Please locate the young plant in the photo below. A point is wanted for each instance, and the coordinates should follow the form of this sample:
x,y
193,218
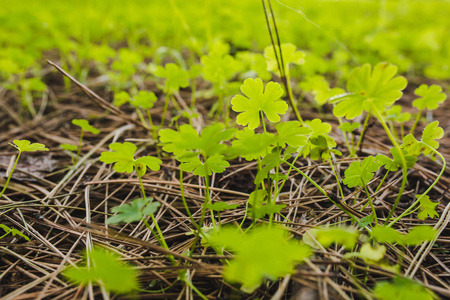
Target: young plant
x,y
176,78
105,269
85,126
257,255
430,98
22,146
13,232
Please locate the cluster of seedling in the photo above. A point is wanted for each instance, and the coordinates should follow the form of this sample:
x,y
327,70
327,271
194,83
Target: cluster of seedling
x,y
370,93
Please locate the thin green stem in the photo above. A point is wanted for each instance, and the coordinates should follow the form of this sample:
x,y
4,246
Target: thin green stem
x,y
10,174
337,179
350,150
209,201
183,198
262,121
371,204
382,181
79,145
192,286
416,121
402,157
361,137
291,95
323,192
166,105
141,117
444,163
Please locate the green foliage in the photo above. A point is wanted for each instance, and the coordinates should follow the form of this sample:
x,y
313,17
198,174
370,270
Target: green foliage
x,y
416,236
13,232
121,98
27,146
431,97
69,147
427,207
378,87
292,134
345,236
349,127
124,162
359,174
221,206
270,161
319,88
84,125
290,56
258,99
258,255
216,163
253,146
143,99
320,143
402,289
395,114
260,206
134,211
176,77
396,162
106,269
431,133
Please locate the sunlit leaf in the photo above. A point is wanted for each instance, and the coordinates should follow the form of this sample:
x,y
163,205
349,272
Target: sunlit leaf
x,y
84,124
27,146
359,174
134,211
402,289
427,208
431,97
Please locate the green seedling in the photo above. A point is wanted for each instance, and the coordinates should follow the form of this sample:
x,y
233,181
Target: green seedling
x,y
286,56
85,126
395,114
320,89
22,146
430,98
105,269
176,78
262,205
260,101
257,255
360,174
251,145
13,232
133,212
427,207
219,207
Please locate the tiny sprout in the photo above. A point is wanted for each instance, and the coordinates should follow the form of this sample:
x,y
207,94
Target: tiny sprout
x,y
85,126
22,146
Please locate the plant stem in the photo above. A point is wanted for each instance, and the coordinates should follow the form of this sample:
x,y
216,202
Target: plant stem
x,y
337,179
382,181
79,145
183,198
402,157
416,121
371,204
323,192
262,120
361,137
291,96
10,174
350,150
166,105
444,163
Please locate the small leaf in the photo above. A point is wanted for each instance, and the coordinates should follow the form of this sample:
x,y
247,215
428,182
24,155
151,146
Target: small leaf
x,y
395,163
258,99
257,255
292,133
349,127
366,221
289,53
359,174
15,232
84,124
366,86
123,157
386,235
69,147
395,114
431,133
221,206
431,97
176,77
150,162
214,164
133,212
319,88
144,100
419,234
402,289
27,146
344,236
105,269
427,208
369,253
121,98
253,146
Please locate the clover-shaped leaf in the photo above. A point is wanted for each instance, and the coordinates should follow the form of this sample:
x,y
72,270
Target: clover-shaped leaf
x,y
258,99
385,234
395,114
123,159
214,164
292,133
106,269
431,97
121,98
427,208
349,127
219,67
290,56
144,100
431,133
320,144
345,236
176,77
379,87
257,255
134,211
27,146
84,125
359,174
396,162
252,146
